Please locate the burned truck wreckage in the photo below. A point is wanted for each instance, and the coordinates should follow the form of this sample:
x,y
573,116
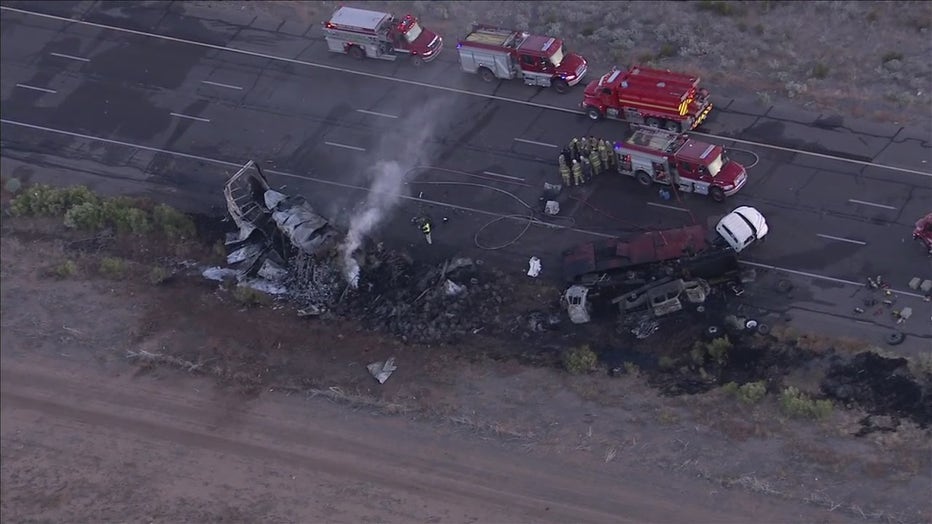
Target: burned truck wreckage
x,y
650,275
282,247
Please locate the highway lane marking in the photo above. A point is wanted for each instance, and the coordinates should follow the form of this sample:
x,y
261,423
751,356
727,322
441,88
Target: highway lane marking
x,y
863,203
536,143
668,207
344,146
71,57
374,113
430,86
842,239
218,84
492,173
199,119
34,88
404,197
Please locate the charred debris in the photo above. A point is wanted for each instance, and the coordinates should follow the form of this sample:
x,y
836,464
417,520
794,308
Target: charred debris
x,y
284,248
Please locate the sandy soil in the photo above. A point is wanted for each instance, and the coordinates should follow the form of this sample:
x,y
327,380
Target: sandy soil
x,y
859,59
235,432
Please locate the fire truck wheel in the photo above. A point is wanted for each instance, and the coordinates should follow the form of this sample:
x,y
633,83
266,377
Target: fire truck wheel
x,y
560,86
671,125
652,122
417,61
486,74
643,178
356,52
593,113
717,194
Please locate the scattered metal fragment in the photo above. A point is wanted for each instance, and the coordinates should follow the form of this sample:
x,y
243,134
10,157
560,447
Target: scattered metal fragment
x,y
382,370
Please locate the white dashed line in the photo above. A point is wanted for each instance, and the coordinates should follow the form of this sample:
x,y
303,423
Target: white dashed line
x,y
543,144
404,197
218,84
34,88
842,239
668,207
71,57
863,203
199,119
344,146
374,113
491,173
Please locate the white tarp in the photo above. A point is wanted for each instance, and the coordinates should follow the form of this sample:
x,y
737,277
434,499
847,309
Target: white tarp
x,y
534,267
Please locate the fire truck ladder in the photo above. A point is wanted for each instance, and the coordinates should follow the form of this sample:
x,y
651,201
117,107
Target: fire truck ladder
x,y
654,138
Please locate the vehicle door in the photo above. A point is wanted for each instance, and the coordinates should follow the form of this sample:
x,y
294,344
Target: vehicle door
x,y
529,64
687,177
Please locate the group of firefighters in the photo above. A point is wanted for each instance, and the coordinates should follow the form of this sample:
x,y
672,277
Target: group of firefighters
x,y
584,158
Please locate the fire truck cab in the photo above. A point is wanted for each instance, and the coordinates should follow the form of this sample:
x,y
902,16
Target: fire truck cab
x,y
652,97
360,34
655,155
493,53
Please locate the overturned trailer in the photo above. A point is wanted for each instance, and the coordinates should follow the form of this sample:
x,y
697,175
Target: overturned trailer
x,y
660,272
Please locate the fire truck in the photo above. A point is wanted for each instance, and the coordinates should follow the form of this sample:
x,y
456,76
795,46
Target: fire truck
x,y
360,34
493,52
653,97
658,156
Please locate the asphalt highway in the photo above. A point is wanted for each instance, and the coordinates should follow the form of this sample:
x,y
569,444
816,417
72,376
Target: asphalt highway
x,y
180,115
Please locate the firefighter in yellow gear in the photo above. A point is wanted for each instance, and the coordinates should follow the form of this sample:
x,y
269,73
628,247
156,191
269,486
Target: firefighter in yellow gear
x,y
424,223
577,173
595,161
564,171
593,143
604,156
574,148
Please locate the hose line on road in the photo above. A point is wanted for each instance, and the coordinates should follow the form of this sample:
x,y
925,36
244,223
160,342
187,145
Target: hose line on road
x,y
531,217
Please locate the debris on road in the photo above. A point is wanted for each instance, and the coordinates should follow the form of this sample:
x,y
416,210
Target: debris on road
x,y
534,267
382,370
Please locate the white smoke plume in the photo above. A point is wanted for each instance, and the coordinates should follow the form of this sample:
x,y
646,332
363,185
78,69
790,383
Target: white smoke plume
x,y
383,196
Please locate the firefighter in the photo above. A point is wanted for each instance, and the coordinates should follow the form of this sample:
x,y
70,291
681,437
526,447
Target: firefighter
x,y
595,161
425,226
577,173
586,169
593,143
574,148
564,171
604,156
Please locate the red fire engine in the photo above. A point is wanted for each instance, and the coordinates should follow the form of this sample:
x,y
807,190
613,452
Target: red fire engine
x,y
373,34
653,97
655,155
503,53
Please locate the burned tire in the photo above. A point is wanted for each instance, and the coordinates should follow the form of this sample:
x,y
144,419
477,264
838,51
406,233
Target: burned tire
x,y
763,329
643,178
895,338
713,332
593,113
560,86
486,74
356,52
671,125
717,194
652,122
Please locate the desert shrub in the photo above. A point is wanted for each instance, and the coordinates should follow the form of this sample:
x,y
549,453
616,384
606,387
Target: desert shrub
x,y
580,359
797,404
43,200
64,269
87,216
125,216
718,349
249,297
892,55
718,7
666,363
921,364
13,185
667,50
697,353
112,267
820,71
158,275
632,369
172,223
752,392
730,388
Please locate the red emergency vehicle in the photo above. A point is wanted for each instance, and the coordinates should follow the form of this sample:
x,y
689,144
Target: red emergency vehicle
x,y
923,231
655,155
493,52
653,97
361,33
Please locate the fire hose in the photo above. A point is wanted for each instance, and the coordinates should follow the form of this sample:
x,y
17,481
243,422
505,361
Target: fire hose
x,y
532,217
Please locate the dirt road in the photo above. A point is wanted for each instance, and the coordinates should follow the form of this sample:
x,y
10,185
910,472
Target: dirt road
x,y
83,444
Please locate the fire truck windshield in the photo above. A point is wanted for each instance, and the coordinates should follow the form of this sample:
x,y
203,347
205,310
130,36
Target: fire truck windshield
x,y
413,32
557,58
716,165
